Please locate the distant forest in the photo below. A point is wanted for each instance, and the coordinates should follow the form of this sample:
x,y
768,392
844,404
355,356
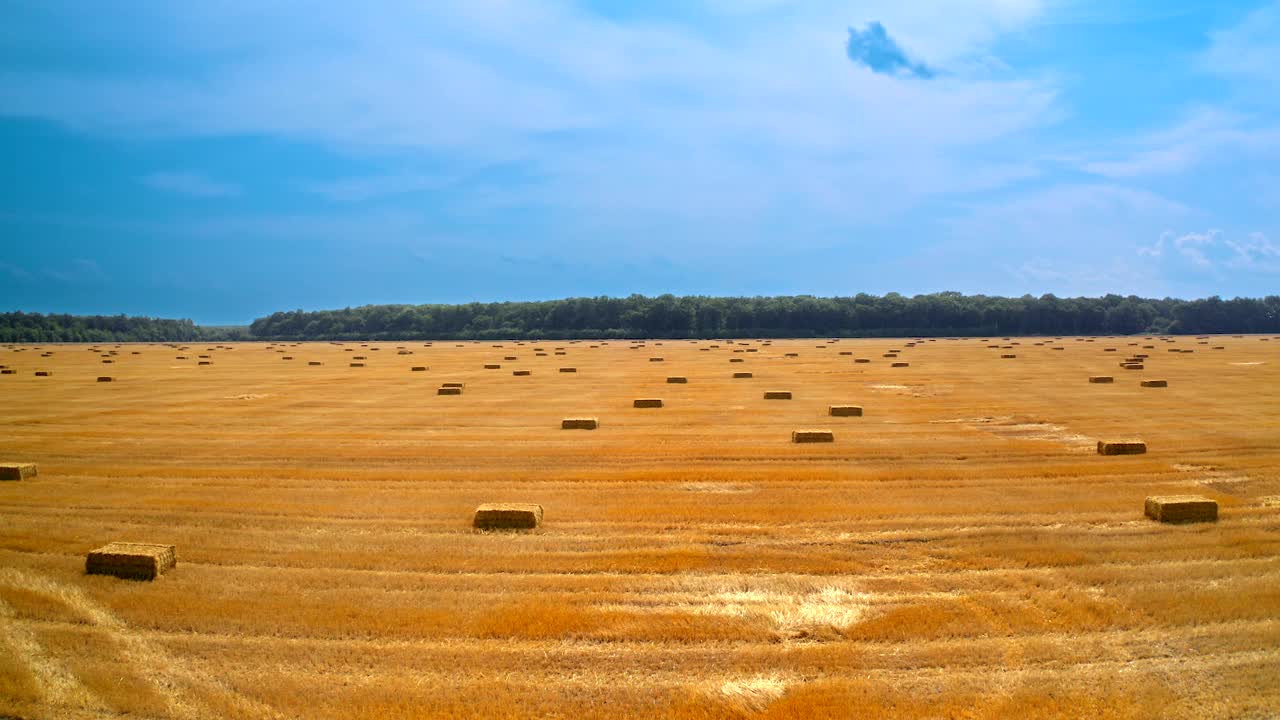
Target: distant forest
x,y
669,316
34,327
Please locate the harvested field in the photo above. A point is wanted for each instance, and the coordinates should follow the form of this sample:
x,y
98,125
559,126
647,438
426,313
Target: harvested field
x,y
959,551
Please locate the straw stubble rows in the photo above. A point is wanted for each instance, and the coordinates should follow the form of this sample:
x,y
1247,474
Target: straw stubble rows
x,y
959,547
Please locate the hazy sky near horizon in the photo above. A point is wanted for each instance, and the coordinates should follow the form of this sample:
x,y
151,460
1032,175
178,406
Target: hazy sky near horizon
x,y
221,161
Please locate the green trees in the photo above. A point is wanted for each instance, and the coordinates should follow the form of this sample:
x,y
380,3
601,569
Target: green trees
x,y
945,313
34,327
692,316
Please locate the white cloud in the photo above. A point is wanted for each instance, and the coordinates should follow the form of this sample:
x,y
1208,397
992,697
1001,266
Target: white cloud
x,y
1249,53
1212,250
649,116
190,183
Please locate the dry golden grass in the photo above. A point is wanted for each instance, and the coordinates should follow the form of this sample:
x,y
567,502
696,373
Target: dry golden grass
x,y
960,551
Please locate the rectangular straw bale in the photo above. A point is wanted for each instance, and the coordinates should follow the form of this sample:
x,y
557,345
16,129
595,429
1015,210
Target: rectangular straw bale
x,y
844,410
449,391
1132,366
581,423
44,373
315,362
647,403
861,361
568,369
812,436
357,365
677,380
777,394
1154,383
741,375
1099,379
521,373
1181,508
492,366
508,516
105,378
17,471
899,364
1121,447
418,368
655,359
134,561
453,384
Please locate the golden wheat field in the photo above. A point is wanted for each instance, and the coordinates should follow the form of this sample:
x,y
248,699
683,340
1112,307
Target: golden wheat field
x,y
960,549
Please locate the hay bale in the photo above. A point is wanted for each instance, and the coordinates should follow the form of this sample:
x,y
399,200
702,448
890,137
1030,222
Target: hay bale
x,y
1154,383
507,516
1101,379
1008,357
741,375
418,368
1132,366
899,364
521,373
315,362
492,366
44,373
812,436
17,471
453,384
846,352
844,410
510,357
1122,447
449,391
568,369
1181,508
777,394
287,357
104,362
105,378
357,365
677,380
582,423
133,561
647,403
8,371
655,359
861,361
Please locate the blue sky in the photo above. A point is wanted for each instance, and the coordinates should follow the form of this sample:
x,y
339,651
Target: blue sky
x,y
221,161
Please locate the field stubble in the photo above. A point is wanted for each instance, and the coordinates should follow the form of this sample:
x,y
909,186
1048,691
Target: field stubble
x,y
958,551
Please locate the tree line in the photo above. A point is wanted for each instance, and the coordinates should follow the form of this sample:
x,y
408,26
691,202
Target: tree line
x,y
36,328
862,315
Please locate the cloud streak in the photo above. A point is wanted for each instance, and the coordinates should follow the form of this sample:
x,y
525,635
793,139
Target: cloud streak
x,y
191,184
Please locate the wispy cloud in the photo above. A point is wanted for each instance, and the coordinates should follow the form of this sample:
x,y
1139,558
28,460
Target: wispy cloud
x,y
1212,250
873,48
357,189
190,183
